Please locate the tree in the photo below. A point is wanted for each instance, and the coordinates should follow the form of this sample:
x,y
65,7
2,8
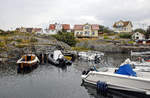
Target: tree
x,y
104,29
68,38
2,31
147,32
140,30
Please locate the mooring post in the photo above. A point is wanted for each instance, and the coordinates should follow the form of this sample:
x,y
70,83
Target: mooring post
x,y
42,58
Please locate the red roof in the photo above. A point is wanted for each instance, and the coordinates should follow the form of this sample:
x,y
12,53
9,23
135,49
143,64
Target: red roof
x,y
52,27
125,23
95,27
66,26
37,29
78,27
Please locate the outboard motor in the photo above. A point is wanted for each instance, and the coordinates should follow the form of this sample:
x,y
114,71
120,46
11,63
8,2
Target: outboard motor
x,y
97,59
86,72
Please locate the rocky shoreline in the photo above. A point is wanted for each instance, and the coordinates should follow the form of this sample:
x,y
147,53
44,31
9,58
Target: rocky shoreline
x,y
43,45
112,47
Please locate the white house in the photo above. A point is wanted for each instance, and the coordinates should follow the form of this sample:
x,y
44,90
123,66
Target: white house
x,y
138,36
54,28
122,27
86,30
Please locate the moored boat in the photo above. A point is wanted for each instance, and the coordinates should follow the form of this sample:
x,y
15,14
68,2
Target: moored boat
x,y
142,58
91,56
58,59
27,62
140,62
123,78
140,53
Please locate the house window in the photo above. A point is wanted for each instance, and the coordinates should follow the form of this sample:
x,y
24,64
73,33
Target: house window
x,y
77,33
93,33
120,29
86,27
86,33
81,33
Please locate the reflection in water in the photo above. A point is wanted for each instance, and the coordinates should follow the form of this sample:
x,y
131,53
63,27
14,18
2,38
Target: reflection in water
x,y
111,93
8,69
49,81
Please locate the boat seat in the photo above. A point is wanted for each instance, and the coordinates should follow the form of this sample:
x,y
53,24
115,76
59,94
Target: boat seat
x,y
103,69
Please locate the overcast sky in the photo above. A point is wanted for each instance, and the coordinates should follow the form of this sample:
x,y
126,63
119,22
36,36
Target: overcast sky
x,y
39,13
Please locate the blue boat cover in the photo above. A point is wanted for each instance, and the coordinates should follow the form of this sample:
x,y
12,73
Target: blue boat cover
x,y
126,70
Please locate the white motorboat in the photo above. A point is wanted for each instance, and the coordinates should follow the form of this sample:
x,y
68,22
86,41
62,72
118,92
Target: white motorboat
x,y
143,58
140,53
139,62
130,82
90,56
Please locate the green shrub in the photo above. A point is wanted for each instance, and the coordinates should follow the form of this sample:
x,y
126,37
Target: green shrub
x,y
68,38
125,35
33,40
106,37
19,40
2,44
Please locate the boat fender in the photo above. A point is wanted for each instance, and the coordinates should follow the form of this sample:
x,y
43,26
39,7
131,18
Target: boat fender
x,y
101,86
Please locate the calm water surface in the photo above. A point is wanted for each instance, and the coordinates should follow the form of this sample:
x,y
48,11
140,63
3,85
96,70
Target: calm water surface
x,y
48,81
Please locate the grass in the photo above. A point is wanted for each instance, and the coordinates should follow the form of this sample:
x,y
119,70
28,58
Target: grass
x,y
21,45
106,37
33,40
109,34
130,42
6,38
80,49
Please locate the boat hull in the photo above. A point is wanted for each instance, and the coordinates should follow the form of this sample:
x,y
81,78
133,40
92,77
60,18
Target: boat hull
x,y
26,68
117,81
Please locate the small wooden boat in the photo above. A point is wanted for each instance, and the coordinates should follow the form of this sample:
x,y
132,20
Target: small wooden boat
x,y
27,62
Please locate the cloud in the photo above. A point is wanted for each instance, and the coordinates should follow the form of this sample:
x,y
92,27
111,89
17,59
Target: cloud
x,y
30,13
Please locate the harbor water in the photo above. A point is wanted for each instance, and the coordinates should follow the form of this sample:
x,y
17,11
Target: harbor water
x,y
48,81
